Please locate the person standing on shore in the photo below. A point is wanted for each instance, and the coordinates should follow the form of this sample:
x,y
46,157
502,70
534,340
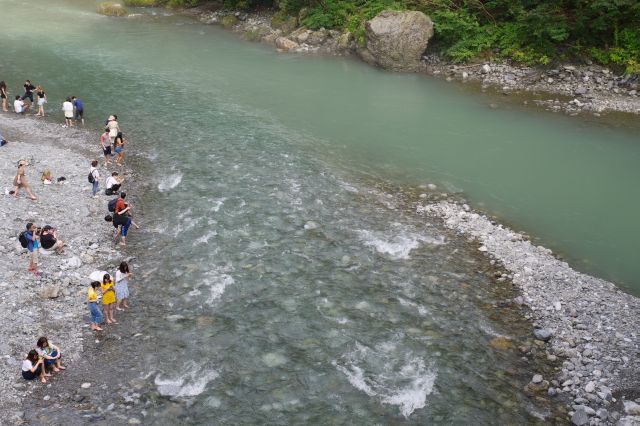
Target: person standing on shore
x,y
79,108
92,304
122,286
105,144
94,177
114,128
4,95
122,218
20,182
42,99
118,145
28,90
108,298
32,246
67,107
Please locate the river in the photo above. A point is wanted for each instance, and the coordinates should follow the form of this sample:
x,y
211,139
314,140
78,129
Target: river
x,y
286,280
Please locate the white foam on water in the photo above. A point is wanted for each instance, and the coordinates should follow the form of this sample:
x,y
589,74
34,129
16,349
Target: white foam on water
x,y
216,204
204,239
390,375
169,182
189,381
217,283
398,241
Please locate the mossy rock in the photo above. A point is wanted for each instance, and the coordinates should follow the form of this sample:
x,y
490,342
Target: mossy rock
x,y
228,21
284,22
501,343
255,35
110,8
141,3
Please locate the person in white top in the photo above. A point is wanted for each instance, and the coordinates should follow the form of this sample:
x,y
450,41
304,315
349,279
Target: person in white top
x,y
20,106
67,107
113,184
33,366
94,177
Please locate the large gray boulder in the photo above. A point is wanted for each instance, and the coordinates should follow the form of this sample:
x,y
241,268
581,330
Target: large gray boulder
x,y
397,40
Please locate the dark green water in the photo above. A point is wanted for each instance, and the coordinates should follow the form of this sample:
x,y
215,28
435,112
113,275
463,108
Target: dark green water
x,y
285,288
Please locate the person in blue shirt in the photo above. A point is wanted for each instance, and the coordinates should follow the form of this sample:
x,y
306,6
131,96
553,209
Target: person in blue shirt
x,y
79,107
32,236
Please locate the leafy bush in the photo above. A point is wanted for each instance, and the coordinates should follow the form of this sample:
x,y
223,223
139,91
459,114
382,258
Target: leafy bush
x,y
141,3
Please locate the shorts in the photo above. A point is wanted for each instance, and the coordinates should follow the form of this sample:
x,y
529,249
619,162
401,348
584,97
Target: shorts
x,y
3,97
106,150
96,313
79,114
67,116
41,101
33,256
30,375
119,149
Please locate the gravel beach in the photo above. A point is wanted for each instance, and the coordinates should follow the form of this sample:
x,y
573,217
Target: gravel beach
x,y
52,305
589,324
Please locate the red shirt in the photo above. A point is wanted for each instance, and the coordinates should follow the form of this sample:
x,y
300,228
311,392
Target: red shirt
x,y
119,206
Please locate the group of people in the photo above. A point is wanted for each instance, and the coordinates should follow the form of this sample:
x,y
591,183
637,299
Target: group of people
x,y
41,361
72,107
114,296
112,291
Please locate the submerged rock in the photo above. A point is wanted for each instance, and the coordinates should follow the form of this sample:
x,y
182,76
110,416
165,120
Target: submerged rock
x,y
397,40
286,44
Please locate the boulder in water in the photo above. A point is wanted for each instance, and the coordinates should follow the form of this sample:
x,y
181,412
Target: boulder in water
x,y
110,8
286,44
397,40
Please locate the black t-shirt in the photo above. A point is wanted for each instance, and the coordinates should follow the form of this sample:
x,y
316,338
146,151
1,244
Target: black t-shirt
x,y
28,88
41,94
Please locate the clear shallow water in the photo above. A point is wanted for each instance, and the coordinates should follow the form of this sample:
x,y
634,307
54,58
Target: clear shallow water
x,y
281,286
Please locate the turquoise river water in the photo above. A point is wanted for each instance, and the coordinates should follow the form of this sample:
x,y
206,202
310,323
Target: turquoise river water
x,y
287,285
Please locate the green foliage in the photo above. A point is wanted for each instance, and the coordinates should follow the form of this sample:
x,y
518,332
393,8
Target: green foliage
x,y
110,8
528,31
141,3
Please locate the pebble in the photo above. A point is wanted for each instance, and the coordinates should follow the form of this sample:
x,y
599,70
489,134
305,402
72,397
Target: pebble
x,y
590,387
85,385
537,379
542,334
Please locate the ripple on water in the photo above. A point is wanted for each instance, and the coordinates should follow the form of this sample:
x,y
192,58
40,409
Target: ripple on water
x,y
388,375
398,242
189,381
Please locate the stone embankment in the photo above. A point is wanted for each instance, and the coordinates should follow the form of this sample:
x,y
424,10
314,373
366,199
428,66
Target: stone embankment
x,y
53,304
390,42
588,324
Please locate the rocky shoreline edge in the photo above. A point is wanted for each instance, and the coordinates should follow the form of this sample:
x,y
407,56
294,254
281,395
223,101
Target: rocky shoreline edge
x,y
589,324
570,88
52,305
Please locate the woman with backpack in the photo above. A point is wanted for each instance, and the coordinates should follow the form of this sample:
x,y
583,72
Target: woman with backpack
x,y
94,176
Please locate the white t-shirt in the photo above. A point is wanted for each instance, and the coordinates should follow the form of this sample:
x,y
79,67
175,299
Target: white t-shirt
x,y
95,173
17,105
67,107
26,365
120,276
111,180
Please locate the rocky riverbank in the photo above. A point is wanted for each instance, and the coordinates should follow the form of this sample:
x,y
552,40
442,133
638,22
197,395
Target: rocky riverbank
x,y
52,305
569,88
587,323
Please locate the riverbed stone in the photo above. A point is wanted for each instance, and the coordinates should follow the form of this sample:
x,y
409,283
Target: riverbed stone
x,y
111,8
283,43
542,334
631,408
397,40
580,417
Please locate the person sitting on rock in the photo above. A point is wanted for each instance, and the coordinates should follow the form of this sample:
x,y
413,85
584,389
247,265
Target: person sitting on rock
x,y
46,177
49,240
33,366
51,354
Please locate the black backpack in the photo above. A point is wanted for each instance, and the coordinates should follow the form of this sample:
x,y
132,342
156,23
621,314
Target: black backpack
x,y
91,178
23,239
112,205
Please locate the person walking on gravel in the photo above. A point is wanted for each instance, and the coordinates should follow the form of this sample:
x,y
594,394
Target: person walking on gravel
x,y
20,181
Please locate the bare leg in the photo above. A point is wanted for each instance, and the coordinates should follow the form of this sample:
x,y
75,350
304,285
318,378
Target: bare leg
x,y
29,193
